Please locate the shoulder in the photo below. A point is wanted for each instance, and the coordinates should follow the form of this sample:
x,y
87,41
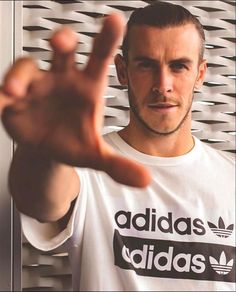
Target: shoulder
x,y
230,157
114,140
110,136
219,156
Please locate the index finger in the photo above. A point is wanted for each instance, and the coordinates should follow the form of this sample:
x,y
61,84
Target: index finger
x,y
104,45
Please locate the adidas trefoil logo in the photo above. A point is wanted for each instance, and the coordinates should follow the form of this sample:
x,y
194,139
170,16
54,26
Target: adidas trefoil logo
x,y
221,230
221,267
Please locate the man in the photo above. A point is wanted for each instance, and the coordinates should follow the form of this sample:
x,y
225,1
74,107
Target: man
x,y
145,210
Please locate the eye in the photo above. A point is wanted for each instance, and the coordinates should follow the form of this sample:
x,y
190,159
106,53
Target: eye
x,y
178,66
145,64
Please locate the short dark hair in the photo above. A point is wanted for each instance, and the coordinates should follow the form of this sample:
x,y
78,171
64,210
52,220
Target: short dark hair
x,y
162,15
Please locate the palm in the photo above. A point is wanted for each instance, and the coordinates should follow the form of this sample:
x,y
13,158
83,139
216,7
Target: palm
x,y
63,118
62,112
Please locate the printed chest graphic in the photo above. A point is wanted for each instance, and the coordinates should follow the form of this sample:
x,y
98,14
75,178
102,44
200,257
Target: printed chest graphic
x,y
174,259
149,221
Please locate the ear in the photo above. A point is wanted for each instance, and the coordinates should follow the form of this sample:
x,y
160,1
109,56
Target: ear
x,y
201,74
121,70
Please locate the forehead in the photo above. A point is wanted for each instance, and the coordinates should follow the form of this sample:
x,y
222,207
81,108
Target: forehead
x,y
172,41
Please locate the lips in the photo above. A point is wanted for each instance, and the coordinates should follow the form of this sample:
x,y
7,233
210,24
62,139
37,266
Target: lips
x,y
162,106
164,103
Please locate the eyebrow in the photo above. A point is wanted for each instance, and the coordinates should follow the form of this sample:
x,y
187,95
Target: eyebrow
x,y
183,60
143,58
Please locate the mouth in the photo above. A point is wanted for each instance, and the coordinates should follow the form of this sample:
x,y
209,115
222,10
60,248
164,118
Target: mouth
x,y
163,106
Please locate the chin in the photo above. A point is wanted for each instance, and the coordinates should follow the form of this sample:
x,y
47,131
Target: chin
x,y
162,131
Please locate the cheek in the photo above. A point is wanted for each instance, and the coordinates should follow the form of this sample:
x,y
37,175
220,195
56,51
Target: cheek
x,y
184,86
140,83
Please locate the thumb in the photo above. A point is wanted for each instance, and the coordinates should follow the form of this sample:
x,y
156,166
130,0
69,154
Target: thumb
x,y
127,172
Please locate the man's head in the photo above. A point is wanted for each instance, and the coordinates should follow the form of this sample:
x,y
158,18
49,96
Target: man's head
x,y
161,67
163,15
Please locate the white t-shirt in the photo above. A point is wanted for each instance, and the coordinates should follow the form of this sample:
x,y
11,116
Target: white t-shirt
x,y
178,234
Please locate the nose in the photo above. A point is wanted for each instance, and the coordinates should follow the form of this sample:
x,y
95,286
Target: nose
x,y
163,82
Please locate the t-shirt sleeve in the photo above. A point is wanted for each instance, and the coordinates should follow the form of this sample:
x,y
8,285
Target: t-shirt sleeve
x,y
48,236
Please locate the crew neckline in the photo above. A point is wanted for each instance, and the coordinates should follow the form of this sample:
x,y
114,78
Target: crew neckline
x,y
131,152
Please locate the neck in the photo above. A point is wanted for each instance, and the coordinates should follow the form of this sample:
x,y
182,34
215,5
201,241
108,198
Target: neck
x,y
175,144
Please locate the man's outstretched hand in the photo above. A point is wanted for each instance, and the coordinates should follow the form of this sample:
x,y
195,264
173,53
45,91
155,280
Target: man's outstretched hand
x,y
60,112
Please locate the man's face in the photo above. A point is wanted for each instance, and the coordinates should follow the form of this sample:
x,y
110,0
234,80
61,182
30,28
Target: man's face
x,y
162,71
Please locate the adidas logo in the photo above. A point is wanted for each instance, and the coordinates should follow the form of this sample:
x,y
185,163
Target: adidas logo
x,y
221,230
221,267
